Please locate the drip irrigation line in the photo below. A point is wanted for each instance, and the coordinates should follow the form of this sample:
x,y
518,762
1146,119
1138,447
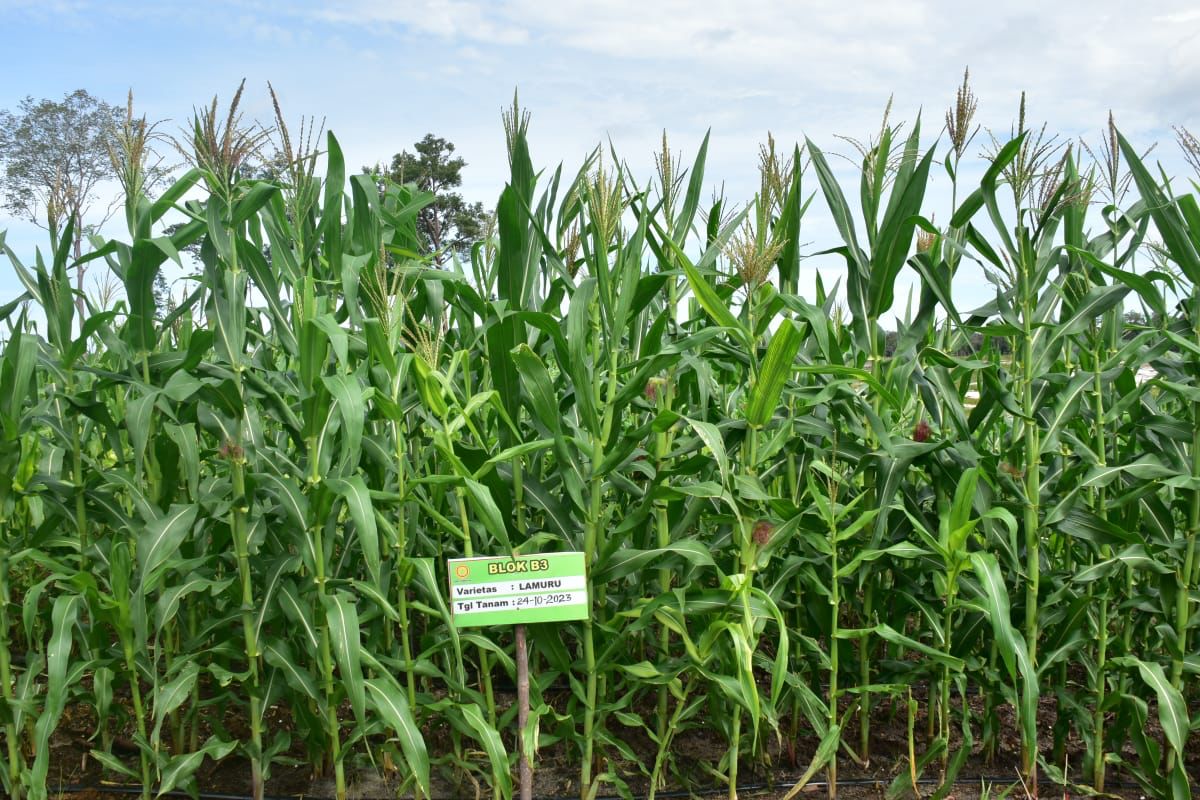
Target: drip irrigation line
x,y
777,785
920,689
136,789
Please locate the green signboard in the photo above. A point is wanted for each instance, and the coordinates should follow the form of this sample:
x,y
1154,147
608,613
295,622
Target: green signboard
x,y
518,590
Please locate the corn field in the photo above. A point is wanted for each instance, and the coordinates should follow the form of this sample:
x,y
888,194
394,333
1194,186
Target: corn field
x,y
801,515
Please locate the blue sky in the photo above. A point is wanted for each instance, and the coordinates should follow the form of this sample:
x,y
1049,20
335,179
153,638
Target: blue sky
x,y
385,73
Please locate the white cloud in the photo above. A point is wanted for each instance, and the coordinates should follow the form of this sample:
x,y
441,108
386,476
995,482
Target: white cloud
x,y
1075,57
384,72
452,19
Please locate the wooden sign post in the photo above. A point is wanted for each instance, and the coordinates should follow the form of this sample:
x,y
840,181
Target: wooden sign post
x,y
525,762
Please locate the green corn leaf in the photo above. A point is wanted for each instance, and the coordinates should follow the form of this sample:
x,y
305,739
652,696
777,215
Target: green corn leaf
x,y
889,634
388,699
342,619
905,550
171,598
1133,557
826,751
987,570
510,219
1092,305
291,500
538,388
279,655
184,437
377,597
1167,218
518,451
1065,406
578,325
1145,468
691,200
711,436
171,695
487,736
249,204
358,500
351,406
138,414
275,574
1172,710
111,762
1142,285
252,259
629,561
838,206
1010,642
775,370
895,238
58,654
964,499
331,207
709,300
299,613
160,539
488,512
425,578
180,769
174,193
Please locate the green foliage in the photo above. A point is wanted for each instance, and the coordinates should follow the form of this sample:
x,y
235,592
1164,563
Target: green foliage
x,y
790,522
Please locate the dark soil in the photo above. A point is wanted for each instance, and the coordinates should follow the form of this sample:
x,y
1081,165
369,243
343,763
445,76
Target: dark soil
x,y
697,753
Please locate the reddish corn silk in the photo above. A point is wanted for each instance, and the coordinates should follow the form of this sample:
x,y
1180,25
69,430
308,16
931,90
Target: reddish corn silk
x,y
653,387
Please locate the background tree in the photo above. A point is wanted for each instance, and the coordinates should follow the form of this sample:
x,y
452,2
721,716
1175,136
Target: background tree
x,y
56,153
449,224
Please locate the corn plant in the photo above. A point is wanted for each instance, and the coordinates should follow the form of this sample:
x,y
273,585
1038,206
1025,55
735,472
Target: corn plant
x,y
800,513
